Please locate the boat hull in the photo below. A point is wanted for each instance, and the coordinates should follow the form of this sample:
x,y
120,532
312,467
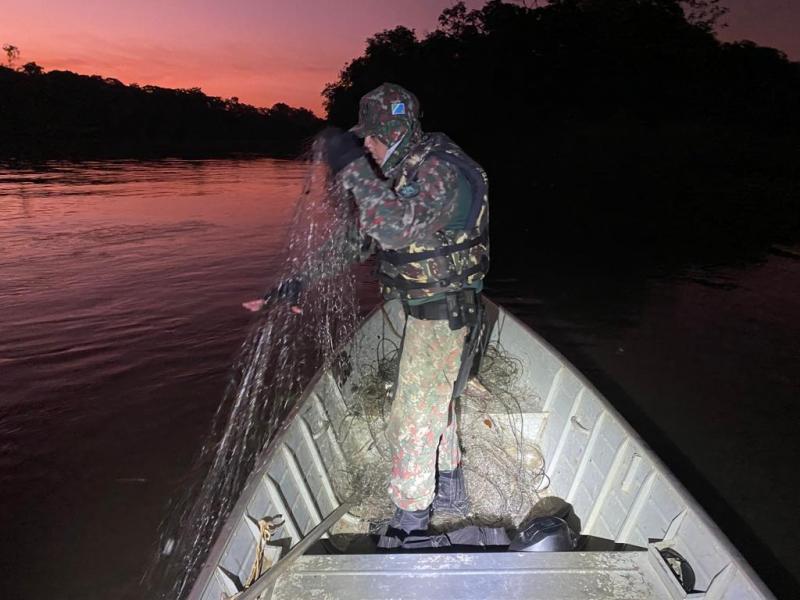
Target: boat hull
x,y
592,458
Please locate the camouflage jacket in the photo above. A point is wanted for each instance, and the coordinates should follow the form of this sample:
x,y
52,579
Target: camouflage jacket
x,y
430,217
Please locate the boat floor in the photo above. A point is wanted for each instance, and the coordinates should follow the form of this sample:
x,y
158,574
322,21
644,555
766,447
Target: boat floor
x,y
506,485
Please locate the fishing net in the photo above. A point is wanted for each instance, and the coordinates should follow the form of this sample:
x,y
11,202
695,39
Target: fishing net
x,y
504,469
281,352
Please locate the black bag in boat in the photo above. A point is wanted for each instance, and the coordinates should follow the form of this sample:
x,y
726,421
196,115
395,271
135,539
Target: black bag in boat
x,y
544,534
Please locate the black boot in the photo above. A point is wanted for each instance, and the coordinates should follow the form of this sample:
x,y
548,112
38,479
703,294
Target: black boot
x,y
406,526
411,520
451,493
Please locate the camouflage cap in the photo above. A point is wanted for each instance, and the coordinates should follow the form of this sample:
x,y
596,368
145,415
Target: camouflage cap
x,y
389,112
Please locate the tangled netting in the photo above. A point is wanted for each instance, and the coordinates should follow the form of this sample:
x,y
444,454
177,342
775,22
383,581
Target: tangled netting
x,y
504,469
281,352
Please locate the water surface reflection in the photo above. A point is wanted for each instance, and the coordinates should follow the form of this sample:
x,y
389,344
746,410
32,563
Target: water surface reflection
x,y
120,285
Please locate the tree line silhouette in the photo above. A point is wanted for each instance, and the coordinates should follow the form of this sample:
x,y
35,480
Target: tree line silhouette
x,y
60,114
605,123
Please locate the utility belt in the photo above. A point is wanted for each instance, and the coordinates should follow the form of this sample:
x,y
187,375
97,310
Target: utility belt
x,y
463,308
460,309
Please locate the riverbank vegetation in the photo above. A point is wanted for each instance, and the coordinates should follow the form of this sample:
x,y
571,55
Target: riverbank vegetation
x,y
60,114
605,124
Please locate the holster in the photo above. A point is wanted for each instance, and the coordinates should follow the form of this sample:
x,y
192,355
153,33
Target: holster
x,y
474,344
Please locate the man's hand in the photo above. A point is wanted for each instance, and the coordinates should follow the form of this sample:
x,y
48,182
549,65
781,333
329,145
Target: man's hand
x,y
288,290
341,148
254,305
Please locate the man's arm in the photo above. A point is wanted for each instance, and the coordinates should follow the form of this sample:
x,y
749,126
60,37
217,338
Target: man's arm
x,y
330,259
397,221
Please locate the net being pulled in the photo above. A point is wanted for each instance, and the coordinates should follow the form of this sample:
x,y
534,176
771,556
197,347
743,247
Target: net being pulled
x,y
277,359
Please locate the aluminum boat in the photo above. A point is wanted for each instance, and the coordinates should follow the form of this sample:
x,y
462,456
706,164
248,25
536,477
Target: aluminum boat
x,y
297,531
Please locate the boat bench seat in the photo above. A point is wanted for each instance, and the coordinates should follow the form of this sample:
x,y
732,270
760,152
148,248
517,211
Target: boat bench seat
x,y
507,575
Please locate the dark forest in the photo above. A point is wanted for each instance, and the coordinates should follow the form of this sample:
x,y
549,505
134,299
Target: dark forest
x,y
605,123
60,114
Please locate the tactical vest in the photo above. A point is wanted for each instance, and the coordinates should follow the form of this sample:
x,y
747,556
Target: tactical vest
x,y
452,258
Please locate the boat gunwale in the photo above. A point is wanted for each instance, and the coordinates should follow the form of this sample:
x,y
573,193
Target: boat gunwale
x,y
658,463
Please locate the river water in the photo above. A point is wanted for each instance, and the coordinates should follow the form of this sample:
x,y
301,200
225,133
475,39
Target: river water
x,y
120,285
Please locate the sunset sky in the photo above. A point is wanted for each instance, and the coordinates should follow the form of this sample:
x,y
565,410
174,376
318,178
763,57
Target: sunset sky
x,y
262,51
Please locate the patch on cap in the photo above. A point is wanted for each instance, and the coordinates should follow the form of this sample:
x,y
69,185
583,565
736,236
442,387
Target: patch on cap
x,y
398,108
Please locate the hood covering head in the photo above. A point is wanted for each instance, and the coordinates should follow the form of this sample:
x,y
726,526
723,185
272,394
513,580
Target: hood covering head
x,y
391,114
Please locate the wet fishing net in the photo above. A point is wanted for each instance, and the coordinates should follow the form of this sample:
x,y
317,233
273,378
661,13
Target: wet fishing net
x,y
281,352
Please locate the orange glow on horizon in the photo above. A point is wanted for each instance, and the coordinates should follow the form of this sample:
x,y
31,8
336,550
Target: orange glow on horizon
x,y
261,52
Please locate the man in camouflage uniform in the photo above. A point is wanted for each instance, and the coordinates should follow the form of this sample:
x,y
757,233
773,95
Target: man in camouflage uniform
x,y
425,204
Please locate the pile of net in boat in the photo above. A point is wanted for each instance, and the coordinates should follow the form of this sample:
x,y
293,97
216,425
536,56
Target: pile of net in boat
x,y
504,470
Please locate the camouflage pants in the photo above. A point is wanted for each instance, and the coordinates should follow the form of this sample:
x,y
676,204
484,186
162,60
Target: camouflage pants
x,y
423,420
